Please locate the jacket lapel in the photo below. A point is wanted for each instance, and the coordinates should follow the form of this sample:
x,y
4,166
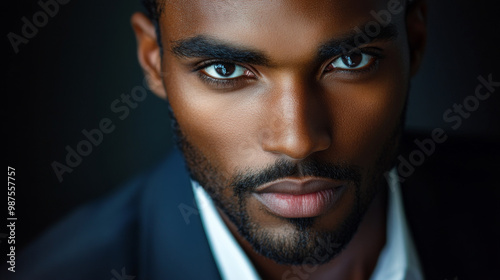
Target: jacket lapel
x,y
173,243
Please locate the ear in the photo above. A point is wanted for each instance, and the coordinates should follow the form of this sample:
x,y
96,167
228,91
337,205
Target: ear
x,y
416,19
148,52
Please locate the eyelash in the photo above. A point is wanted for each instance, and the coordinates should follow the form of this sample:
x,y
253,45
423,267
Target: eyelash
x,y
219,83
375,53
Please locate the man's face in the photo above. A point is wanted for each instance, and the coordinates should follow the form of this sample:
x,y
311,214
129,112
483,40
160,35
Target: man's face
x,y
287,128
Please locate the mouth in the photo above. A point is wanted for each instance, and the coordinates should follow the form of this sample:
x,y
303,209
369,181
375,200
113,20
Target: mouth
x,y
300,198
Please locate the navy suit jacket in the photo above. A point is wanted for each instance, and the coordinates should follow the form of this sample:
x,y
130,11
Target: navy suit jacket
x,y
151,229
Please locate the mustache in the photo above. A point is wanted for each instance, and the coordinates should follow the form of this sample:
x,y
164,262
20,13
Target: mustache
x,y
248,181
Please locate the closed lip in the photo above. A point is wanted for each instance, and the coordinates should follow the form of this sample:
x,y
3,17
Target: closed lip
x,y
300,198
299,186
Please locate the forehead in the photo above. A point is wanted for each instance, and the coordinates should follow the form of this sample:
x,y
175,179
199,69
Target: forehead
x,y
285,26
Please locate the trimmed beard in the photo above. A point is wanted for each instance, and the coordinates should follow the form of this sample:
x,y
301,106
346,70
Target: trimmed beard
x,y
304,245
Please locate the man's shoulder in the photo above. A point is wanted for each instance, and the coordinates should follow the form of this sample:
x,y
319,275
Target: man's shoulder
x,y
451,196
99,232
103,238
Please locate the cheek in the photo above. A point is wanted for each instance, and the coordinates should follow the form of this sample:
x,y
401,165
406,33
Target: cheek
x,y
367,113
220,125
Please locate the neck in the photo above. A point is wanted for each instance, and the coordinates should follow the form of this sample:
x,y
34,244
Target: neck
x,y
357,261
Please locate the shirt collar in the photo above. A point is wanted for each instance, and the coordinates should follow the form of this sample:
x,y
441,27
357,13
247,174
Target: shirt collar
x,y
230,258
397,261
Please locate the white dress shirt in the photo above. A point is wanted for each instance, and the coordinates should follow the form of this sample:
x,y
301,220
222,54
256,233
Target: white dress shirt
x,y
397,261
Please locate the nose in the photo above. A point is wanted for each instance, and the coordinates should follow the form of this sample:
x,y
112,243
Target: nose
x,y
297,121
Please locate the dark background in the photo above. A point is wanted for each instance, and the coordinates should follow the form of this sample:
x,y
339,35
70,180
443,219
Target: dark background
x,y
66,77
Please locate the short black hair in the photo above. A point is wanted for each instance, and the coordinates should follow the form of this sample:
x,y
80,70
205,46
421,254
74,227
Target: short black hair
x,y
154,11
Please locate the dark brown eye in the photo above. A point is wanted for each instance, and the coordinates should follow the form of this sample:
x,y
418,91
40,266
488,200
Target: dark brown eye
x,y
352,60
224,69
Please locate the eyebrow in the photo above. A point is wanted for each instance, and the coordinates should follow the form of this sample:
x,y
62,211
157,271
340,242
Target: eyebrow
x,y
351,42
203,46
